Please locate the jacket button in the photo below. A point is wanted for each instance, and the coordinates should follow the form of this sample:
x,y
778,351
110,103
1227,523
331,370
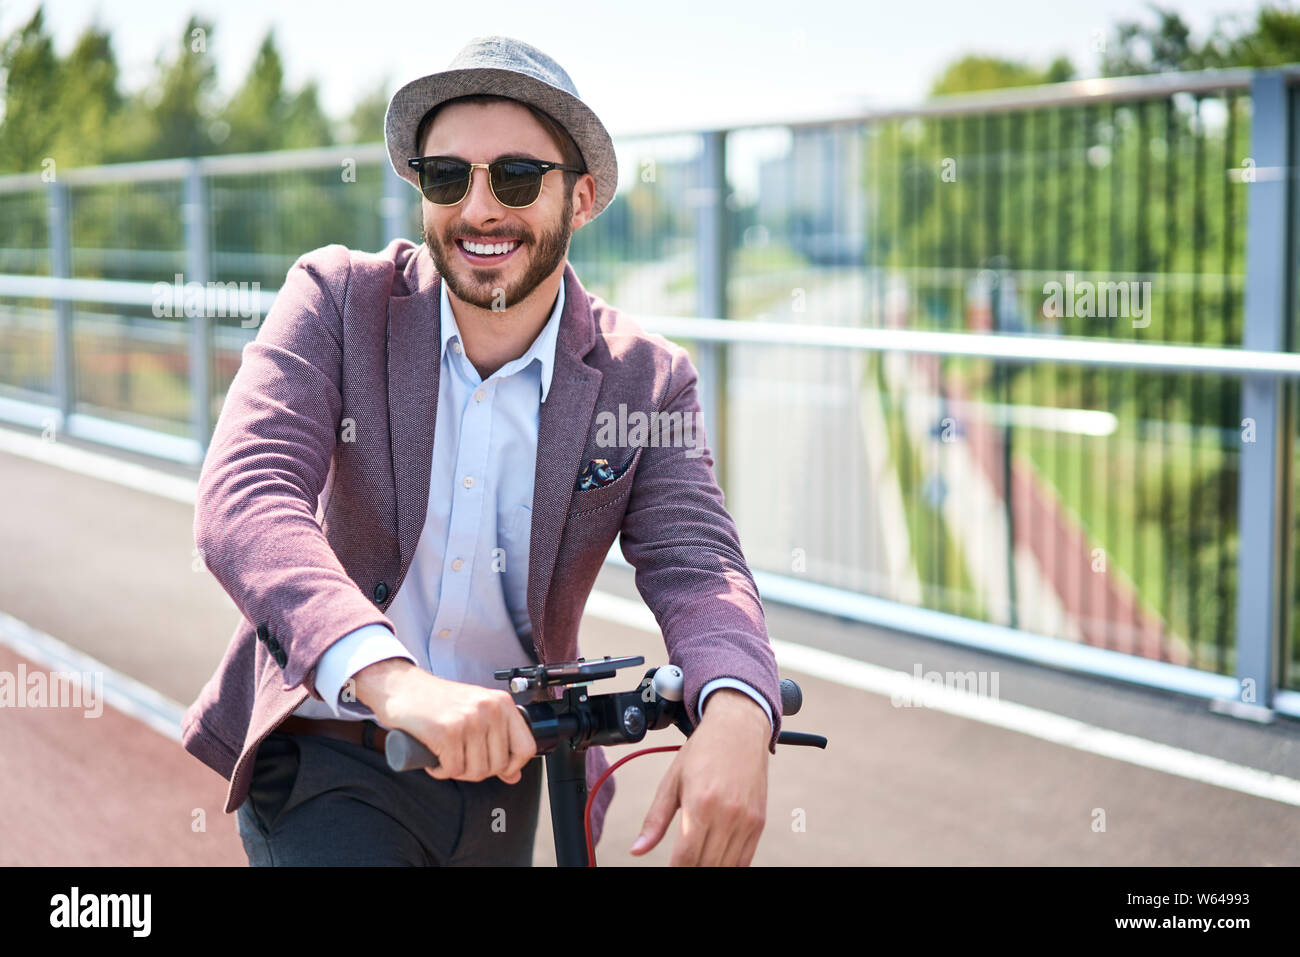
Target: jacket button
x,y
281,658
262,633
273,645
381,591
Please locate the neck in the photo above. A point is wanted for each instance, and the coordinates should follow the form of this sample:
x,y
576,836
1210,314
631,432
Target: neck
x,y
494,337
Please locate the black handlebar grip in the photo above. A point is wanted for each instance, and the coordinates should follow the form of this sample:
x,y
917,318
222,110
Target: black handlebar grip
x,y
791,697
406,753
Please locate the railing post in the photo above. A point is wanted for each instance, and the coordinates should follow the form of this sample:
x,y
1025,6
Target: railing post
x,y
711,286
195,213
393,205
1263,513
65,369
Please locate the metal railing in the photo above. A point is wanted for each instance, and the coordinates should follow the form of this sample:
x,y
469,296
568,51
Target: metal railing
x,y
1104,492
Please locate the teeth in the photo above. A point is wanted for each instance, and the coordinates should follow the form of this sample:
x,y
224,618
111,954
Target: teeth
x,y
484,249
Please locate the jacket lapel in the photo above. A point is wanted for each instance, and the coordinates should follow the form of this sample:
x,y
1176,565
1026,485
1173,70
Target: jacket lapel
x,y
563,424
414,332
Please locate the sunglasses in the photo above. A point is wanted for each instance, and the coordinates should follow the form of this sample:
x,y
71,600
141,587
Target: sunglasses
x,y
516,183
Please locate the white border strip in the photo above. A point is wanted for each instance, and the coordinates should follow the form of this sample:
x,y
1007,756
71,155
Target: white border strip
x,y
97,465
1023,719
121,692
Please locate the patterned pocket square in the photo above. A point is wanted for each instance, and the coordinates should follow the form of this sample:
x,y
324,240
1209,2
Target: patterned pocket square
x,y
597,474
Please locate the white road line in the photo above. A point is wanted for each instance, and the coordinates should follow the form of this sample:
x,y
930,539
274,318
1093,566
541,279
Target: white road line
x,y
1045,725
100,466
120,691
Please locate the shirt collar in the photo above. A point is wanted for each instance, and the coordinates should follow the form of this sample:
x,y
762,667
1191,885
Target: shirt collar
x,y
542,348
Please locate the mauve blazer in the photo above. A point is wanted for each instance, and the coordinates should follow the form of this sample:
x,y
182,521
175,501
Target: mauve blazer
x,y
314,489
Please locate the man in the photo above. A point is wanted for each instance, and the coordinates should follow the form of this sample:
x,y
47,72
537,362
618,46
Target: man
x,y
405,491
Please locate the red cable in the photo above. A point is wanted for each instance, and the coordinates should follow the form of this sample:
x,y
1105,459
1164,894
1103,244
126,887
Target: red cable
x,y
591,848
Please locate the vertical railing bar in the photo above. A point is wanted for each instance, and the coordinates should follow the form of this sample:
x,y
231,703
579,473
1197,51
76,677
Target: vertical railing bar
x,y
1142,263
1200,204
1261,493
65,368
1168,384
711,291
1229,337
195,215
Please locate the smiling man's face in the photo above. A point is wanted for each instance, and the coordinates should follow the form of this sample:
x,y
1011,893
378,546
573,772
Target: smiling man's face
x,y
482,133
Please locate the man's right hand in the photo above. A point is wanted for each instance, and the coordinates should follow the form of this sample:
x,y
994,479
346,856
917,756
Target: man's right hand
x,y
476,732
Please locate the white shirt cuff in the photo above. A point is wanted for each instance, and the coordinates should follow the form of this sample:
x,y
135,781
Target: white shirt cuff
x,y
717,683
343,659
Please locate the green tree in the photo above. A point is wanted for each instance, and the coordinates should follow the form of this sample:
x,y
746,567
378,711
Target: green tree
x,y
262,115
172,116
1271,40
1268,37
305,122
1136,48
256,113
971,73
89,102
365,124
30,71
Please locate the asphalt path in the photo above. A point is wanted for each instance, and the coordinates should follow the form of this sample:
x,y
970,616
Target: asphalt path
x,y
110,571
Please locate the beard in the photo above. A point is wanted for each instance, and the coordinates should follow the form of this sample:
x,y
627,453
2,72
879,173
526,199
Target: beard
x,y
482,287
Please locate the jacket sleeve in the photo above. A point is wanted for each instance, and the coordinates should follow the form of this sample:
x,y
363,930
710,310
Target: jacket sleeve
x,y
255,514
690,570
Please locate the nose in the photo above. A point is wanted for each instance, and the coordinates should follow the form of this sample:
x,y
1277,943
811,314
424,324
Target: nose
x,y
479,204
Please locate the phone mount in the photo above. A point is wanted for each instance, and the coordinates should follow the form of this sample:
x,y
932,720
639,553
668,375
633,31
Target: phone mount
x,y
564,673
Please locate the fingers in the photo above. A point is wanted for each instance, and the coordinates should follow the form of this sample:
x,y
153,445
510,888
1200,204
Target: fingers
x,y
522,745
743,837
750,847
661,812
476,754
717,834
451,758
717,831
690,844
488,737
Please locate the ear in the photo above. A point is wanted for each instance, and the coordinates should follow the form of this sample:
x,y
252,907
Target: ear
x,y
584,200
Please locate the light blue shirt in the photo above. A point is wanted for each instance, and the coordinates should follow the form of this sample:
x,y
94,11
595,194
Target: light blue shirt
x,y
462,610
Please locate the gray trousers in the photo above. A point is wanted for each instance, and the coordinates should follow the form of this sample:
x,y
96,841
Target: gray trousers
x,y
318,801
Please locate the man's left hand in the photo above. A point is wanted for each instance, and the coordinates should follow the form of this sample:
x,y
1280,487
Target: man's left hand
x,y
719,780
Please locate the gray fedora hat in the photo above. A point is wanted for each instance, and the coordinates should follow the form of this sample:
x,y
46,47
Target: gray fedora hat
x,y
504,67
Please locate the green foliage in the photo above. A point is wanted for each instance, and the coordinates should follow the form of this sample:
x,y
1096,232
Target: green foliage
x,y
73,111
263,116
972,73
365,124
31,95
1269,37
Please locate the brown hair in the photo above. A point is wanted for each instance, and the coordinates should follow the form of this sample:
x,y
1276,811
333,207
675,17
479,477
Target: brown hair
x,y
570,155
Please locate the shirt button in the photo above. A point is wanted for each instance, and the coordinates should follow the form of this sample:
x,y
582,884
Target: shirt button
x,y
455,347
480,395
457,564
469,481
446,632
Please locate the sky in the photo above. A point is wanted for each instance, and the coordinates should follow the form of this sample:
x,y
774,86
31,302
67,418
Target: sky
x,y
642,66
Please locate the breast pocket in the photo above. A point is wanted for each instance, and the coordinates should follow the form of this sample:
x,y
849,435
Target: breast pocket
x,y
586,501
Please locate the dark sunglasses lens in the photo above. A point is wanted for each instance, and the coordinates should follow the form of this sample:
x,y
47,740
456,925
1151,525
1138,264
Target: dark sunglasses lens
x,y
444,181
516,183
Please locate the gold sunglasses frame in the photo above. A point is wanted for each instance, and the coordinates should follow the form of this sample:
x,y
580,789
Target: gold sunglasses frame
x,y
416,162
